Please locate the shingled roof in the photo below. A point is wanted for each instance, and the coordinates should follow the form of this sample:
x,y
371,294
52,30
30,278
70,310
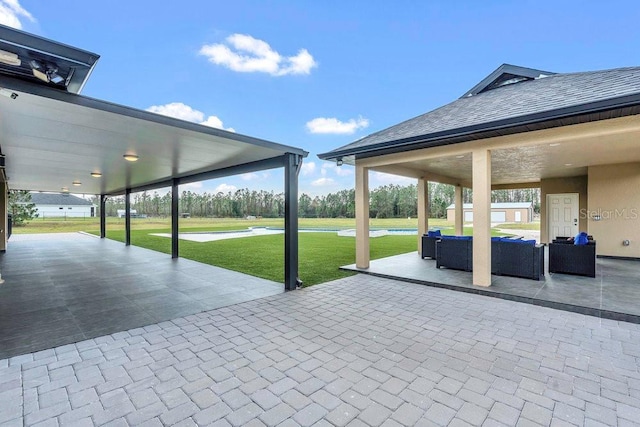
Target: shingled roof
x,y
58,199
509,101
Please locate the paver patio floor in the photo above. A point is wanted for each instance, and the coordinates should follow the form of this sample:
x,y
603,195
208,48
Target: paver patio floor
x,y
358,351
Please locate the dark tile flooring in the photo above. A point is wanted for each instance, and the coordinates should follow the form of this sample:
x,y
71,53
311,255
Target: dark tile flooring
x,y
63,288
613,294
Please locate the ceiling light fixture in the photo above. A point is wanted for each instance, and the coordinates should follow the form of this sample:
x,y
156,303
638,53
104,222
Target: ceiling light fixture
x,y
555,144
46,72
460,156
65,189
568,164
9,58
131,157
339,161
76,183
96,174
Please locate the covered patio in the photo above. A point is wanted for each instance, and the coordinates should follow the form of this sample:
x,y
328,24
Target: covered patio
x,y
55,140
573,135
67,287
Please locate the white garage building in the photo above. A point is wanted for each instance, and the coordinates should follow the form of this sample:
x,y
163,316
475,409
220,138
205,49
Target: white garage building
x,y
500,212
62,205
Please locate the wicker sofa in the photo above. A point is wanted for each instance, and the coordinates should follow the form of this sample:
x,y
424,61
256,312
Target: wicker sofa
x,y
567,258
509,257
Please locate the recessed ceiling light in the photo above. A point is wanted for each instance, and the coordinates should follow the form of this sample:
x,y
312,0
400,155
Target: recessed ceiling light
x,y
131,157
76,183
568,164
96,174
555,144
65,189
460,156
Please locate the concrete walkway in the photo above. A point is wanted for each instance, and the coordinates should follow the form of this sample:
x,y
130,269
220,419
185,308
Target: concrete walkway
x,y
360,351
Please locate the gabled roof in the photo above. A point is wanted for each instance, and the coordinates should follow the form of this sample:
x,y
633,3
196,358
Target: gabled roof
x,y
504,75
58,199
498,205
539,103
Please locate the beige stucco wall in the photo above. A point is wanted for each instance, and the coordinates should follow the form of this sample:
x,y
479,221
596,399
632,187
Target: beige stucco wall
x,y
614,195
576,184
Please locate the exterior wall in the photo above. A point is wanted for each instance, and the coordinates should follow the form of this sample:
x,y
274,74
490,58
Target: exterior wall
x,y
509,213
576,184
613,194
49,211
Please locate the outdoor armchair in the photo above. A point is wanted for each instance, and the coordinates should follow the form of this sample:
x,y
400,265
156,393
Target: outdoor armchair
x,y
565,257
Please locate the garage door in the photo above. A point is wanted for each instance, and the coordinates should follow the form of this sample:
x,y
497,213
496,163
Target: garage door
x,y
499,216
468,217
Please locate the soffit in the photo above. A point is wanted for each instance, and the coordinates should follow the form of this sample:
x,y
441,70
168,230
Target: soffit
x,y
51,138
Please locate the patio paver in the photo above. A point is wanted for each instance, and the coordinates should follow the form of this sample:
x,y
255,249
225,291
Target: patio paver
x,y
362,350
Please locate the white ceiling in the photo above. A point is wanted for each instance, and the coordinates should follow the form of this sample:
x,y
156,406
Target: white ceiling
x,y
52,138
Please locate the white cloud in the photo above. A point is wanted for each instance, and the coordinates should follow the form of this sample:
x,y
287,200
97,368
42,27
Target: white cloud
x,y
215,122
382,178
246,54
225,188
323,182
250,176
308,168
11,12
338,170
335,126
182,111
192,186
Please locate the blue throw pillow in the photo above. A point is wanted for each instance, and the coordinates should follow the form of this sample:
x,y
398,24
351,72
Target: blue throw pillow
x,y
434,233
581,239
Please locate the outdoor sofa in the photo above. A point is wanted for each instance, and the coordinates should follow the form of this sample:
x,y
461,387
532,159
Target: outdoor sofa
x,y
509,257
569,258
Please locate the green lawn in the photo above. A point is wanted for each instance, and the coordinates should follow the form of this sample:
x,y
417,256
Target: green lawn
x,y
320,256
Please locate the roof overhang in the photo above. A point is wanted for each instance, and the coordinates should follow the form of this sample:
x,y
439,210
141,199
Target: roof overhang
x,y
51,138
601,110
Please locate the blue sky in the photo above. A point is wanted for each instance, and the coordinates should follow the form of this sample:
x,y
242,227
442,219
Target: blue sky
x,y
320,74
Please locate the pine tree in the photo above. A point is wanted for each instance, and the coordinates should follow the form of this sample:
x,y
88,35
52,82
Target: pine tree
x,y
21,207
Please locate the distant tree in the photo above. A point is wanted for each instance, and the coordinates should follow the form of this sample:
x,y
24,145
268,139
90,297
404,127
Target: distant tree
x,y
21,207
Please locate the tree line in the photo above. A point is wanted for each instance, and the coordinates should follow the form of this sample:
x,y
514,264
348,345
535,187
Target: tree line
x,y
388,201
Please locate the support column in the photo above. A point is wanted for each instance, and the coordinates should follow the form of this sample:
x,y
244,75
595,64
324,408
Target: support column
x,y
127,217
482,217
103,216
292,165
4,214
423,210
362,217
459,211
174,218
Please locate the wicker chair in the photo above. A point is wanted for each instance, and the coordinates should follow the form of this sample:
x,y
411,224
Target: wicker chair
x,y
567,258
429,246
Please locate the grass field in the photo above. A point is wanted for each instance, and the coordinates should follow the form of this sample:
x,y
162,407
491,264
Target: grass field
x,y
320,256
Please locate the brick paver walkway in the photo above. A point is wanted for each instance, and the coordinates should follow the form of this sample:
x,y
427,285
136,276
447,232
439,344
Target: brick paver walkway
x,y
361,351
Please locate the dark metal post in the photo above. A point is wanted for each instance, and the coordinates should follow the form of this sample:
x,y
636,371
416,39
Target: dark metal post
x,y
174,219
103,216
127,217
292,165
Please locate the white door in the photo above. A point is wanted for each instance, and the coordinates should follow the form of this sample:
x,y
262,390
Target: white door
x,y
518,216
499,216
562,215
